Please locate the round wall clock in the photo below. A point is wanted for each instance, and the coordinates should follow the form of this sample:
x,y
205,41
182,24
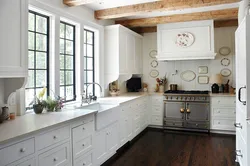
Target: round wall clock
x,y
225,72
154,64
154,73
225,62
224,51
185,39
153,53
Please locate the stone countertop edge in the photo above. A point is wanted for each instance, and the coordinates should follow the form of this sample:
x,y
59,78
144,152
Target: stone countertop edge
x,y
32,123
221,94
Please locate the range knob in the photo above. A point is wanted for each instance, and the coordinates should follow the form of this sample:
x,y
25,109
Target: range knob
x,y
180,98
171,97
166,97
176,98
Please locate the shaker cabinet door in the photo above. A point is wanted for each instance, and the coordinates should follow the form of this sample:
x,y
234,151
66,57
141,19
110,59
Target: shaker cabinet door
x,y
14,38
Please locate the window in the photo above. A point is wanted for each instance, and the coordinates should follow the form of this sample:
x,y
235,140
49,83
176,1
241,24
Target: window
x,y
89,59
67,61
38,56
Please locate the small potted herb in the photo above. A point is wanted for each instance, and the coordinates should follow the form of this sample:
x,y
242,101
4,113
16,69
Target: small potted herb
x,y
38,103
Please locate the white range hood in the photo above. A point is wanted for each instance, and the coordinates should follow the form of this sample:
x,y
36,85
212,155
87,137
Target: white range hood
x,y
186,41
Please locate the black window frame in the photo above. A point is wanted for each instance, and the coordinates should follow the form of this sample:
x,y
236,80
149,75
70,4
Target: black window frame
x,y
74,61
35,52
93,58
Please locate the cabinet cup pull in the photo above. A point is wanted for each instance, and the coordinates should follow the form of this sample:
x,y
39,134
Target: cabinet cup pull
x,y
22,150
238,153
238,125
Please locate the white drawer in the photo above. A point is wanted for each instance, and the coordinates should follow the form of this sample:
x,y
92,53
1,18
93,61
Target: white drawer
x,y
226,112
52,137
223,101
223,124
86,160
58,156
84,120
30,162
157,110
157,101
17,151
82,131
157,120
82,146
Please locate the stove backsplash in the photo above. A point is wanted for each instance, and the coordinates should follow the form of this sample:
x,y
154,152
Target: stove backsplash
x,y
223,37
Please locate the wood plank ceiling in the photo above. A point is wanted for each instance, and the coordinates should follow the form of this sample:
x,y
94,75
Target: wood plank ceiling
x,y
222,17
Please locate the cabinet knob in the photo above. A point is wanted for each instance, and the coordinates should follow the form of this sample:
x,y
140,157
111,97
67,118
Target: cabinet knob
x,y
83,164
83,128
83,144
55,159
22,150
55,137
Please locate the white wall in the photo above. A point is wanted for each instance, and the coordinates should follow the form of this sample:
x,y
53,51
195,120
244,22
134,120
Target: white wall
x,y
223,37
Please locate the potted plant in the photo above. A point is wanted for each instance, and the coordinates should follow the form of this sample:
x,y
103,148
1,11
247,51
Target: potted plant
x,y
54,105
38,102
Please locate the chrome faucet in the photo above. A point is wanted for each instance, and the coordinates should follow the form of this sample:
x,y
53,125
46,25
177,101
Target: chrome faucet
x,y
88,98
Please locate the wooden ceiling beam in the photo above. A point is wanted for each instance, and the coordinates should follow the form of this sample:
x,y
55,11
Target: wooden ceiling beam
x,y
217,24
78,2
226,14
226,23
164,5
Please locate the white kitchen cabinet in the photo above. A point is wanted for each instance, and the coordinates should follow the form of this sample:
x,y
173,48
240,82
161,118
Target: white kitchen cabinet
x,y
13,41
105,143
123,52
58,156
157,108
223,114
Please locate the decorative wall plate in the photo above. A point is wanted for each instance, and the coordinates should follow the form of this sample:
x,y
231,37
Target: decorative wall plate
x,y
153,53
225,72
185,39
188,75
154,64
224,51
225,62
154,73
203,69
203,79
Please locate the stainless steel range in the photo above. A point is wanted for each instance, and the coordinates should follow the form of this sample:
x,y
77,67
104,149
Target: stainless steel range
x,y
187,110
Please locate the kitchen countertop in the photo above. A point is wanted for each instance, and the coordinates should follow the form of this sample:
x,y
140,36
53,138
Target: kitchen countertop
x,y
31,122
221,94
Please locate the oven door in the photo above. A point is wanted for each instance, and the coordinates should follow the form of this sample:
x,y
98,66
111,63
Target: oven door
x,y
197,111
174,110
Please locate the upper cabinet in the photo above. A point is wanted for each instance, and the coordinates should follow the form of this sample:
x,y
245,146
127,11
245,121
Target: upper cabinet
x,y
186,40
13,41
123,52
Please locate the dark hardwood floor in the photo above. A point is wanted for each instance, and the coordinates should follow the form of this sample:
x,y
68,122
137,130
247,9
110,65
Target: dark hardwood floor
x,y
170,148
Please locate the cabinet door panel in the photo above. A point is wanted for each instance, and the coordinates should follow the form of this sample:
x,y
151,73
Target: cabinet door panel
x,y
13,42
130,53
100,147
112,139
122,52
